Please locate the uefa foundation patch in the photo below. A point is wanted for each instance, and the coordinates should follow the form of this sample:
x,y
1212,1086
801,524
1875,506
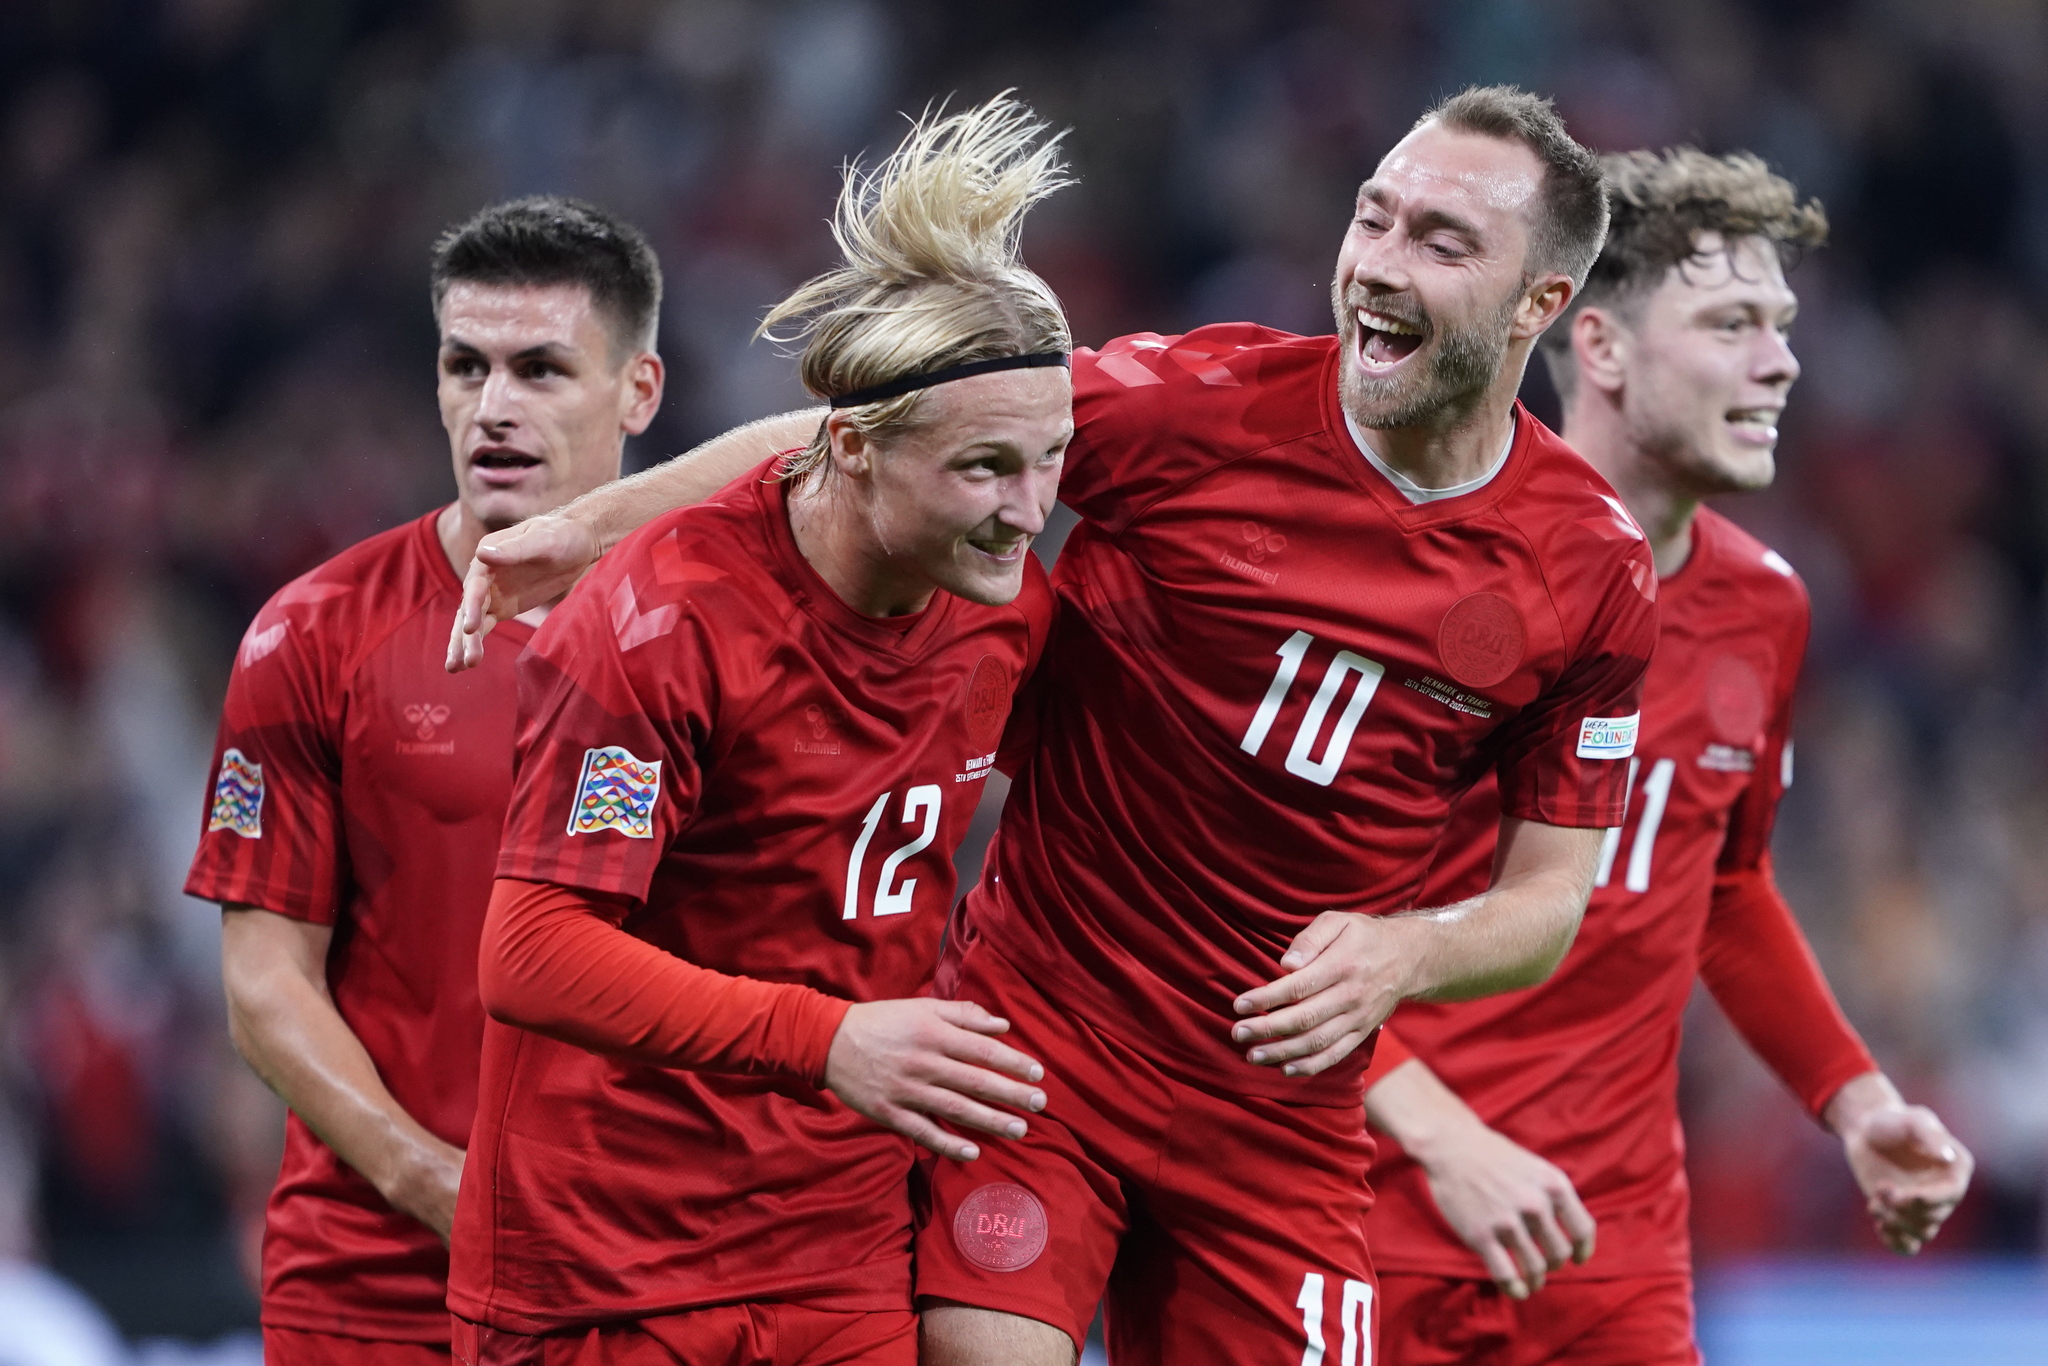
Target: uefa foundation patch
x,y
1000,1227
616,792
238,796
1608,737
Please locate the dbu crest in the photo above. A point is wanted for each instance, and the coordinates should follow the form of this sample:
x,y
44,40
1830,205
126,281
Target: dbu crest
x,y
615,792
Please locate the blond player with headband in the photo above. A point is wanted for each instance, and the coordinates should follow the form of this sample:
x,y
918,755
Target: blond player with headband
x,y
748,747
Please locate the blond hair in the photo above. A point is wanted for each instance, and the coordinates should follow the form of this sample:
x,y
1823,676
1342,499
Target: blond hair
x,y
929,274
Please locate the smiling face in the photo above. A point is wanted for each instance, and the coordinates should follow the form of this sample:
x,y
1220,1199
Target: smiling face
x,y
954,502
1430,289
1705,364
535,397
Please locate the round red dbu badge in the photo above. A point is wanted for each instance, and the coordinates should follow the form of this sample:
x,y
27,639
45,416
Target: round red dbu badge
x,y
1000,1227
1481,639
988,703
1735,700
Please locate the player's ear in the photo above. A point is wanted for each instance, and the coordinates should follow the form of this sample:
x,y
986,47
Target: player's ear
x,y
1600,349
645,377
1541,304
853,451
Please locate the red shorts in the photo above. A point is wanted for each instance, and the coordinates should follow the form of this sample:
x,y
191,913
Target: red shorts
x,y
759,1334
1212,1228
292,1347
1440,1320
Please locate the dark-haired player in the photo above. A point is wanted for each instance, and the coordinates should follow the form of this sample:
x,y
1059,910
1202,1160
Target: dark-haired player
x,y
1321,585
1675,366
360,790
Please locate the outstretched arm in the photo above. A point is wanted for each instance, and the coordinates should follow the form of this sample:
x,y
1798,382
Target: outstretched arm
x,y
534,563
1346,972
1519,1213
284,1022
1761,970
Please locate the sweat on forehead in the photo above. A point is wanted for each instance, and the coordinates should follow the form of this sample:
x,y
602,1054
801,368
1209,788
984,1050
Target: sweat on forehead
x,y
1501,175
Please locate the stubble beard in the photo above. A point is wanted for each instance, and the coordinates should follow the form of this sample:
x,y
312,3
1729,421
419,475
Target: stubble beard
x,y
1463,366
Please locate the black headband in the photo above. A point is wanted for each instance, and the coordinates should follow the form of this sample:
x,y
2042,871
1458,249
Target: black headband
x,y
875,393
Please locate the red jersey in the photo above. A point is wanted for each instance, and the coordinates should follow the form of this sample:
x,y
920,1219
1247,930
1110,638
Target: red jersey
x,y
778,782
1584,1068
1271,676
360,785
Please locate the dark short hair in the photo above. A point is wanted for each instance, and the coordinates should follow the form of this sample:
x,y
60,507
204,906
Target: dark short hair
x,y
1571,216
1660,203
552,240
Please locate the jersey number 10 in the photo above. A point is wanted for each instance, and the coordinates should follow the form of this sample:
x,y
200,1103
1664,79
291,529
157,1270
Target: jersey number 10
x,y
1342,668
920,800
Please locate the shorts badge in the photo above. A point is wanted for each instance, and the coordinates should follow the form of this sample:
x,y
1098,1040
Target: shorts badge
x,y
238,796
1000,1227
615,792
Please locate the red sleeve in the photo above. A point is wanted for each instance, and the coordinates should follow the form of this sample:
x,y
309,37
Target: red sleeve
x,y
617,698
1147,418
271,833
1564,758
1039,606
1762,971
556,961
1389,1052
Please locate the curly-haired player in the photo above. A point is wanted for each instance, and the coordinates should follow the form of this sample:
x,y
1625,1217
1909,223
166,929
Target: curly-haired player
x,y
1674,365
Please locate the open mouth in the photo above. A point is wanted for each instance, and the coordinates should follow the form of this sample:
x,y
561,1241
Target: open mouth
x,y
497,465
1754,426
1384,341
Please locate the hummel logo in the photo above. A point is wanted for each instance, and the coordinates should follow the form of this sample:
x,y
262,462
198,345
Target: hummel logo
x,y
1259,542
426,718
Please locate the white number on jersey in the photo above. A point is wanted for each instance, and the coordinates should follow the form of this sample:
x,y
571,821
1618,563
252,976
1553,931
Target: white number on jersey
x,y
923,799
1656,796
1354,1316
1322,771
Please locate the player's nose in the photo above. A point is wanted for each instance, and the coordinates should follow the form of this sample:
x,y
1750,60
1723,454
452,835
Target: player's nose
x,y
1775,363
497,404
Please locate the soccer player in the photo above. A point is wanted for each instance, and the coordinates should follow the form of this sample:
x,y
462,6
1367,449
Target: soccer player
x,y
354,821
749,745
1674,366
1320,586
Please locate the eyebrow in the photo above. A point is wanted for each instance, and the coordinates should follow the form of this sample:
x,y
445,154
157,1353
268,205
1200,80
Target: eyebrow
x,y
1427,220
543,351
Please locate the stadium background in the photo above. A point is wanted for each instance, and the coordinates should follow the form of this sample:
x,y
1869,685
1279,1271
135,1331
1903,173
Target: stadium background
x,y
215,370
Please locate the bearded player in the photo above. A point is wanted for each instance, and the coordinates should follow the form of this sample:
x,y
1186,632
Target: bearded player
x,y
749,745
360,792
1674,366
1321,585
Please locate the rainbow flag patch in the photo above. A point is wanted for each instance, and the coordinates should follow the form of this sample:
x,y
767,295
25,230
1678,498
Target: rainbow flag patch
x,y
616,792
238,796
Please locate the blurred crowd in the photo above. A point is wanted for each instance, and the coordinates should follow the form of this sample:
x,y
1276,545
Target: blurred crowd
x,y
216,370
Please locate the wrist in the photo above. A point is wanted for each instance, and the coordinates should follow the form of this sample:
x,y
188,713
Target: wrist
x,y
1857,1100
1414,1108
1415,957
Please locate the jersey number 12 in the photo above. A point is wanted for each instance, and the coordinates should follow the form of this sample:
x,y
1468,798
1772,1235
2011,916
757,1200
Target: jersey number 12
x,y
922,800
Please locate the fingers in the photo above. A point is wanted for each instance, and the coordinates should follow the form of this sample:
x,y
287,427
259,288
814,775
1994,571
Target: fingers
x,y
970,1015
1531,1264
1578,1222
1501,1267
1286,991
926,1134
1548,1237
1322,932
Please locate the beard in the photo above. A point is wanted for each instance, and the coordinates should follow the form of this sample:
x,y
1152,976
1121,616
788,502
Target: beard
x,y
1464,363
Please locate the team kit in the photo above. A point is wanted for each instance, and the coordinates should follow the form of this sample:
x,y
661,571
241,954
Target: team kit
x,y
1385,770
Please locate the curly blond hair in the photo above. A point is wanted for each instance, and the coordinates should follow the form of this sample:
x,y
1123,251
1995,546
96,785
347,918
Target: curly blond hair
x,y
930,274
